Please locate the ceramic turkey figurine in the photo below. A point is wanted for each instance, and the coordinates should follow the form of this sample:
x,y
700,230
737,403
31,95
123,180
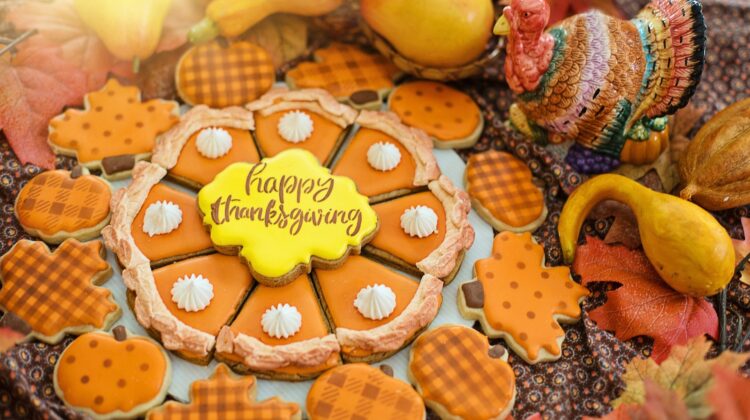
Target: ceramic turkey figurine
x,y
594,79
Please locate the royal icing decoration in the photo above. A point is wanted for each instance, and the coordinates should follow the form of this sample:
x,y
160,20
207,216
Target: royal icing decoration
x,y
419,221
281,321
161,217
192,293
290,201
375,302
383,156
295,126
213,143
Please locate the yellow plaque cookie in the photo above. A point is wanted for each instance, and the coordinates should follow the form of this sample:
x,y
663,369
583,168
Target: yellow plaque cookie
x,y
274,214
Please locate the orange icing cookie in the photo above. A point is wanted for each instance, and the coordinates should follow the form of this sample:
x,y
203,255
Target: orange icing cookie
x,y
56,292
362,391
114,130
226,396
529,299
106,375
230,281
503,193
188,238
56,205
323,141
446,114
220,76
460,376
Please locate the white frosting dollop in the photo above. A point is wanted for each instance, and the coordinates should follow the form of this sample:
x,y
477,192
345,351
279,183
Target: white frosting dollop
x,y
375,302
161,217
192,293
383,156
281,321
295,126
213,142
419,221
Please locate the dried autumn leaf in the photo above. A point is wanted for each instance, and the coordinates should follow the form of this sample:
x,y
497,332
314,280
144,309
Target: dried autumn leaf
x,y
660,403
9,337
283,36
644,304
686,372
742,248
36,85
728,396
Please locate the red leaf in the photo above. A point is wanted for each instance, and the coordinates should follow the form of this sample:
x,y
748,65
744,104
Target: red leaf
x,y
644,304
660,404
36,85
728,396
8,338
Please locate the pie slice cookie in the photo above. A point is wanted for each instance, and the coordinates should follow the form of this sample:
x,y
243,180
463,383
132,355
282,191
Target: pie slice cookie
x,y
114,131
153,222
56,293
309,119
387,159
362,391
280,333
460,376
449,116
348,73
57,205
502,192
376,311
517,298
426,232
226,396
204,142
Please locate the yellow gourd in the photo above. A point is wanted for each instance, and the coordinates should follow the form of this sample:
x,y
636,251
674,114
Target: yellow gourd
x,y
647,151
230,18
690,250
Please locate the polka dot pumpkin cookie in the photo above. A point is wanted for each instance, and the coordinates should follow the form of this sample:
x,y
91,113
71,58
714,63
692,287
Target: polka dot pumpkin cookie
x,y
112,375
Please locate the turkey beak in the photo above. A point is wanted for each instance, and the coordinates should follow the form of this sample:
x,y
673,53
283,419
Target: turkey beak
x,y
502,27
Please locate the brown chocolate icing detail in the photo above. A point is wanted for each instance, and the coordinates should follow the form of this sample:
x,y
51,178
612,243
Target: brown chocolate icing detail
x,y
473,294
497,351
387,370
119,163
362,97
76,172
120,333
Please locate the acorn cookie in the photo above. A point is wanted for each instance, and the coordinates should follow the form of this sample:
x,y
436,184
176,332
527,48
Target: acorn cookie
x,y
106,375
502,192
114,131
449,116
517,298
460,376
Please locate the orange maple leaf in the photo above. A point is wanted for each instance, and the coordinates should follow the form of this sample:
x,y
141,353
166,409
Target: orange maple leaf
x,y
728,397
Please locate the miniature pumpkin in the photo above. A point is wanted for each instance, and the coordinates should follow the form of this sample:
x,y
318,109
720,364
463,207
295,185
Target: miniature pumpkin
x,y
716,165
647,151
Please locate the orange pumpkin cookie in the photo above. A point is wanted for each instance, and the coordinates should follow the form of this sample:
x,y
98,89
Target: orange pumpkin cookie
x,y
449,116
387,159
427,232
112,375
114,131
224,75
460,376
57,205
502,192
309,119
376,311
226,396
204,143
56,292
362,391
528,298
348,73
280,333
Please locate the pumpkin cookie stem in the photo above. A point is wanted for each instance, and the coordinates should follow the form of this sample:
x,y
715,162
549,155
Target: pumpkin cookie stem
x,y
17,41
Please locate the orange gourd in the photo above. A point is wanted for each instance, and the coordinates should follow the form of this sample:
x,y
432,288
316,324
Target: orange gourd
x,y
647,151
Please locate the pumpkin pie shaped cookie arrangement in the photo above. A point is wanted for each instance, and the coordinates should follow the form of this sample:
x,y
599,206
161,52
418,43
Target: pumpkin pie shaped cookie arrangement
x,y
204,142
309,119
386,158
114,131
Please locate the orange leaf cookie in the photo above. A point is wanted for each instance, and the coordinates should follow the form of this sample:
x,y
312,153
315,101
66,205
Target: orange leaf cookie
x,y
362,391
502,192
57,205
114,130
460,376
226,396
514,296
219,76
55,293
348,73
449,116
109,375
